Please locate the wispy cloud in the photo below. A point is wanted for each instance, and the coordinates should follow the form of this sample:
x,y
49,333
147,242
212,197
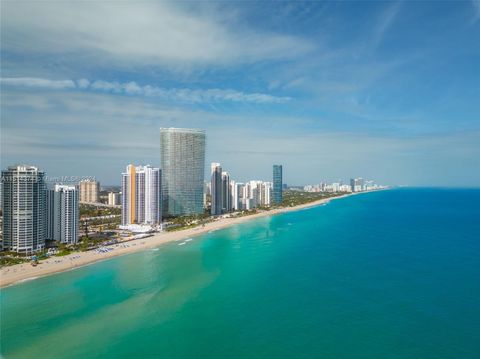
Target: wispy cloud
x,y
39,83
128,132
385,21
132,88
146,33
476,8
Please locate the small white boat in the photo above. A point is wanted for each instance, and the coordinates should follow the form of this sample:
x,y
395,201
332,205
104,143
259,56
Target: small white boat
x,y
181,244
188,240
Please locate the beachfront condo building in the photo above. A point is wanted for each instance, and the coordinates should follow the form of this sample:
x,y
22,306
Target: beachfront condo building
x,y
62,214
257,194
141,195
238,196
182,161
23,207
250,195
216,189
89,191
356,184
265,194
277,184
226,194
234,195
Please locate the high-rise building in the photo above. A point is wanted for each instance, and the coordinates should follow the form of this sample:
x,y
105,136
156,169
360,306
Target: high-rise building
x,y
89,191
255,193
114,199
23,206
247,198
216,188
241,195
62,214
265,193
182,161
356,184
226,194
233,196
141,195
206,193
237,196
277,184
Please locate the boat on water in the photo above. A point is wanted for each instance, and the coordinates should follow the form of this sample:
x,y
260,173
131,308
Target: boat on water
x,y
188,239
181,244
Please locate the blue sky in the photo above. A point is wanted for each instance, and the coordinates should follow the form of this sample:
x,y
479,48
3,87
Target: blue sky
x,y
388,91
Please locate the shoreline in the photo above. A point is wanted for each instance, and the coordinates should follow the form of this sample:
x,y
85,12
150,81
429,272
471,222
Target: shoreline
x,y
20,273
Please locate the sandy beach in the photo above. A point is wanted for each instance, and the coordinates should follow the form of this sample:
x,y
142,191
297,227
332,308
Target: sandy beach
x,y
22,272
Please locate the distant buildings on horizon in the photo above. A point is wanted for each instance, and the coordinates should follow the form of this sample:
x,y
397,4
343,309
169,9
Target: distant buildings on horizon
x,y
226,195
32,213
89,191
356,185
114,199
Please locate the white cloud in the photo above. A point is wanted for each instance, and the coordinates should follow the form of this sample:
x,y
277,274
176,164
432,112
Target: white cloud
x,y
125,130
153,33
38,83
83,83
132,88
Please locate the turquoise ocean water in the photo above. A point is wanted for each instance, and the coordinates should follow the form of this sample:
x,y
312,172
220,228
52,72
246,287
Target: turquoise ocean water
x,y
392,274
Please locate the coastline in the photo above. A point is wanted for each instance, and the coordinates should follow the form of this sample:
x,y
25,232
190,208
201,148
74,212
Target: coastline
x,y
24,272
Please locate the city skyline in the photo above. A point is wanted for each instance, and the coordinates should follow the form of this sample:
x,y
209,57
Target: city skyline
x,y
239,179
384,90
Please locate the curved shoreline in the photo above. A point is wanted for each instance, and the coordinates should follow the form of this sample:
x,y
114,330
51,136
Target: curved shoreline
x,y
20,273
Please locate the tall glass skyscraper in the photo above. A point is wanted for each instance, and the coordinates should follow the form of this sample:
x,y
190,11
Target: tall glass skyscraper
x,y
277,184
23,206
216,189
226,193
182,161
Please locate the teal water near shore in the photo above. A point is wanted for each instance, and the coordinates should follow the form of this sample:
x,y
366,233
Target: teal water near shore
x,y
390,274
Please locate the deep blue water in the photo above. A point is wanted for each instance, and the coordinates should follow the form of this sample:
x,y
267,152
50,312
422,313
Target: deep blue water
x,y
391,274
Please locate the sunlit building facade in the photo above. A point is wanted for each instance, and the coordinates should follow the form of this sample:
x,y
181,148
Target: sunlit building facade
x,y
89,191
62,214
182,161
141,195
23,207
